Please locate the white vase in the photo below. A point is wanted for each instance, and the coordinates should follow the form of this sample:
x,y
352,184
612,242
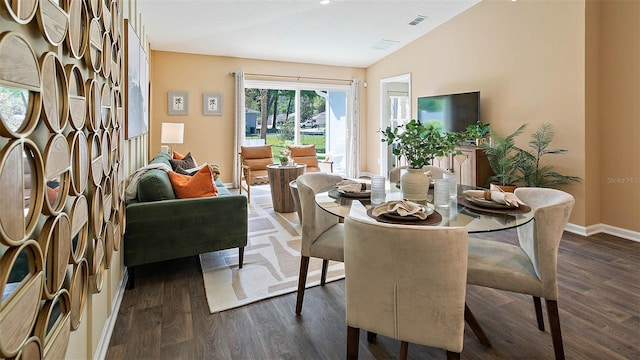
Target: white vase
x,y
415,185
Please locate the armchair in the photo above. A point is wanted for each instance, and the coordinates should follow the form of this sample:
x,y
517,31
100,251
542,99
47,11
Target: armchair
x,y
253,166
306,154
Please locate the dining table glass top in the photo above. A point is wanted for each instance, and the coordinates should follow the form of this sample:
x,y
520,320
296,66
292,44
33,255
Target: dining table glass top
x,y
459,213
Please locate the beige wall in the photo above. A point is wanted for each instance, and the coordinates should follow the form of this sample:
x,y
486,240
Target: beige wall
x,y
210,138
619,113
529,60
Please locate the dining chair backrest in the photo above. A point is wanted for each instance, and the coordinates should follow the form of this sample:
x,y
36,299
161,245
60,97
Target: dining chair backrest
x,y
406,282
315,221
541,237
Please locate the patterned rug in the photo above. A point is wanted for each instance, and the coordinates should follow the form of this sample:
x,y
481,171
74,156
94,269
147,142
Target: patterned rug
x,y
271,260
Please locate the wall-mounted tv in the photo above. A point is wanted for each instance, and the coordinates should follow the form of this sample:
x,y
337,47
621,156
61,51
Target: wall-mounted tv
x,y
450,112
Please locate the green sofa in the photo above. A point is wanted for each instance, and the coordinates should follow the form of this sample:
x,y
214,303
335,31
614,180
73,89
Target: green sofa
x,y
160,227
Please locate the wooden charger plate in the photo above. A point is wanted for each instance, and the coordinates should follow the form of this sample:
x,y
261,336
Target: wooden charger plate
x,y
522,209
433,219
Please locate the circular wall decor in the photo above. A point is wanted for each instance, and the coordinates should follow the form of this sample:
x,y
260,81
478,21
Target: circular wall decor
x,y
77,38
77,100
53,21
19,310
78,287
55,93
79,218
56,249
31,350
94,108
19,79
95,7
22,11
107,47
93,54
106,152
96,216
22,183
108,235
95,158
96,265
54,325
79,162
106,106
57,171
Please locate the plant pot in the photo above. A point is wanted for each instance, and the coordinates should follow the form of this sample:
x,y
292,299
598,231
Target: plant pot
x,y
415,185
504,188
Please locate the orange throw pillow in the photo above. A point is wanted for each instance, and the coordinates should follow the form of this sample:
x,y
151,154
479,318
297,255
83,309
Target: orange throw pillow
x,y
199,185
178,156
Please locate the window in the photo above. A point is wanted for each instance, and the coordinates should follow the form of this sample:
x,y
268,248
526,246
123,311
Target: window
x,y
298,114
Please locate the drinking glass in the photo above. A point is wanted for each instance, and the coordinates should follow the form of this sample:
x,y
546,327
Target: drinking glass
x,y
453,184
441,192
378,191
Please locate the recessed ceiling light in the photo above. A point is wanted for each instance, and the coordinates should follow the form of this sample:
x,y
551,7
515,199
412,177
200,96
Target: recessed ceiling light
x,y
324,2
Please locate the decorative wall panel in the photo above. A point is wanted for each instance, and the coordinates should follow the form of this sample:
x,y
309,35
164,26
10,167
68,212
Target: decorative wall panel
x,y
61,172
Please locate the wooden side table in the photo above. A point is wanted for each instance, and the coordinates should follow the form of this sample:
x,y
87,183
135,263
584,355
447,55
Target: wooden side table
x,y
279,178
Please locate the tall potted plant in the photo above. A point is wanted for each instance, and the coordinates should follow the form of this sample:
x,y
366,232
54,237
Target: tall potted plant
x,y
503,156
419,144
531,171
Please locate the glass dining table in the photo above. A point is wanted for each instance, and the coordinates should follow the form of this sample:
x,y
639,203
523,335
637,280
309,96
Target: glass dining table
x,y
459,213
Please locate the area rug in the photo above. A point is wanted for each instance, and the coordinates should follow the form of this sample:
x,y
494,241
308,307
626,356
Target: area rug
x,y
271,260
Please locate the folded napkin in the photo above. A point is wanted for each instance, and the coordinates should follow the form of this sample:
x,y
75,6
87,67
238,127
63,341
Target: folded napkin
x,y
499,197
351,186
402,208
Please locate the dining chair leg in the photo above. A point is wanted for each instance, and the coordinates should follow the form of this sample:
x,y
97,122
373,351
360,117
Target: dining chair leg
x,y
538,305
240,256
325,267
475,326
302,281
554,324
372,337
404,350
352,342
453,355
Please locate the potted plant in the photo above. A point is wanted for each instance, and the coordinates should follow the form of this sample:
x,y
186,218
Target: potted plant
x,y
532,173
477,133
419,144
503,156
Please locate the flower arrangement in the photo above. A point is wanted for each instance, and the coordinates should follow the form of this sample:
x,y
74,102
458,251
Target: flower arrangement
x,y
284,156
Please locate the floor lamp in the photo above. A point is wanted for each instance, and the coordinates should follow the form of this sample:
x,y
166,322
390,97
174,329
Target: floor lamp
x,y
172,133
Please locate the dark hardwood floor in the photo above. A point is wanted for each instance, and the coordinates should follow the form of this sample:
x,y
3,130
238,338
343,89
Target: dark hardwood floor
x,y
166,315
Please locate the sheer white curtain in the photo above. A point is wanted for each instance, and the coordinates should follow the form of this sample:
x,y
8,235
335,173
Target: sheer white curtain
x,y
239,126
353,131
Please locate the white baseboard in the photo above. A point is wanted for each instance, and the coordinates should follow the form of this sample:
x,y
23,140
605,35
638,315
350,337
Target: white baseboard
x,y
105,338
603,228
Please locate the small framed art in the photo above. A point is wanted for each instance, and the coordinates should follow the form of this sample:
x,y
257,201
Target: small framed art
x,y
212,104
178,103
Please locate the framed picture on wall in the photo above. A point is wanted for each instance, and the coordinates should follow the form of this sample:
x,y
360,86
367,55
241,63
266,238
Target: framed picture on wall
x,y
212,104
178,103
137,94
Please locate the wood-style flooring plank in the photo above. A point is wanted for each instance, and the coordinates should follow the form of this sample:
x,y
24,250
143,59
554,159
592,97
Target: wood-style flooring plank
x,y
166,315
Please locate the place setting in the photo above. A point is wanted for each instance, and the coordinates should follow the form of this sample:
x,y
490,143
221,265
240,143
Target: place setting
x,y
351,189
404,212
492,201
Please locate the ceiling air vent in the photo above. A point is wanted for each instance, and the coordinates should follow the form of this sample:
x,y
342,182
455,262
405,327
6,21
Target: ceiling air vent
x,y
417,20
384,44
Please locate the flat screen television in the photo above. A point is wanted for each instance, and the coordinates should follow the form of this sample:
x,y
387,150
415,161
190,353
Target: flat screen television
x,y
450,112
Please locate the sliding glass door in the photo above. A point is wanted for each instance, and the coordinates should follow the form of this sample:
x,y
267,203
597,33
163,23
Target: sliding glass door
x,y
280,114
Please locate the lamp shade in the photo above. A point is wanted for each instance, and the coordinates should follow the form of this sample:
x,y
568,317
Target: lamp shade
x,y
172,133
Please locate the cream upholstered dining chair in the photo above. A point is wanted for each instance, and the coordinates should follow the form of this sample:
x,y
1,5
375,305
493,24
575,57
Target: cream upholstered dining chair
x,y
306,154
322,234
407,283
253,166
531,266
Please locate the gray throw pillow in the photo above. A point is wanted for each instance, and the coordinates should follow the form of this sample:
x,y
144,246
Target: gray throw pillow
x,y
186,163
